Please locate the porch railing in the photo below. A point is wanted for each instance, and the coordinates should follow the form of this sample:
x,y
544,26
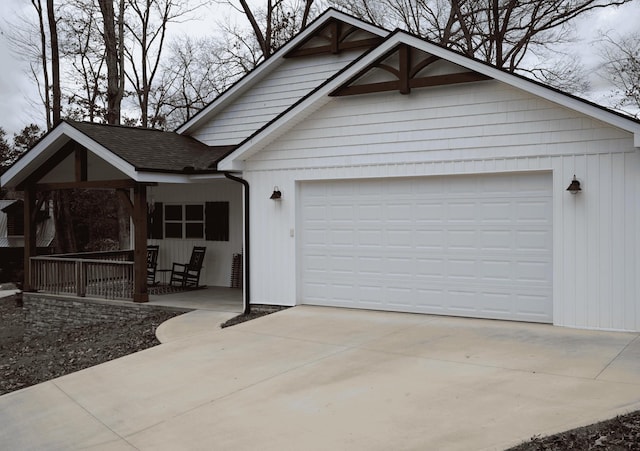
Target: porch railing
x,y
106,275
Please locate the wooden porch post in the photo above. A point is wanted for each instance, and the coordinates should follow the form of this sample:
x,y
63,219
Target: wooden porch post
x,y
29,235
140,293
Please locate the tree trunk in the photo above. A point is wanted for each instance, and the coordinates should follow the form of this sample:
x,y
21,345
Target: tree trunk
x,y
55,62
65,238
124,234
111,43
43,56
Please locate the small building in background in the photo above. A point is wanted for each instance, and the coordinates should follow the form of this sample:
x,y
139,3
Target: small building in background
x,y
12,237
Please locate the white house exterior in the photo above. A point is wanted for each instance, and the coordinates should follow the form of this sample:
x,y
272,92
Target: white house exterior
x,y
448,200
415,179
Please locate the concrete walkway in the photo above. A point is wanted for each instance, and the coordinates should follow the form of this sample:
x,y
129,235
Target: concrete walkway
x,y
192,324
311,378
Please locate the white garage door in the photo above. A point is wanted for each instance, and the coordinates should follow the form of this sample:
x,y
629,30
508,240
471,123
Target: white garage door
x,y
477,246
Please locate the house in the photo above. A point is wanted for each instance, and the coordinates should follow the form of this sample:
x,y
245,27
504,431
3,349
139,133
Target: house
x,y
370,169
12,235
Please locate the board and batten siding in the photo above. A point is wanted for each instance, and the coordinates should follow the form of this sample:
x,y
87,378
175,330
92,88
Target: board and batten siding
x,y
218,259
283,87
476,128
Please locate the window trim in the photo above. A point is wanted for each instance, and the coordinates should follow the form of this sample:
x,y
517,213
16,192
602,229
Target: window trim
x,y
183,221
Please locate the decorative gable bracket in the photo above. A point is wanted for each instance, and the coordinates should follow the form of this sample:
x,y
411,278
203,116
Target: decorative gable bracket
x,y
408,68
334,38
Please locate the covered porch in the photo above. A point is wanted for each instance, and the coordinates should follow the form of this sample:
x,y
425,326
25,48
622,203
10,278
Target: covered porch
x,y
217,299
175,198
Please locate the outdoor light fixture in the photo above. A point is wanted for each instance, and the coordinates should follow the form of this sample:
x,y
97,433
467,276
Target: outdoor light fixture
x,y
574,186
277,195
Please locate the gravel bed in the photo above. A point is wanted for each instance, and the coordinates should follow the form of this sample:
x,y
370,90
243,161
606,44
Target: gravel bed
x,y
29,361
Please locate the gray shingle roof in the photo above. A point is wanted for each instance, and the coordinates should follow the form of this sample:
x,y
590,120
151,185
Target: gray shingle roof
x,y
154,150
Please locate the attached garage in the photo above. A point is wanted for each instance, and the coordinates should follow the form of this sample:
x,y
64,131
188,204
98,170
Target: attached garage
x,y
419,180
471,245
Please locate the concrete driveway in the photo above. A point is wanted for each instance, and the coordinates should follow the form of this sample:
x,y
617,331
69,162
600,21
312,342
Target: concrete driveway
x,y
321,378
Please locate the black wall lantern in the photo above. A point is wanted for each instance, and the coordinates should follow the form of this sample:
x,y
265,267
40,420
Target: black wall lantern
x,y
276,195
574,186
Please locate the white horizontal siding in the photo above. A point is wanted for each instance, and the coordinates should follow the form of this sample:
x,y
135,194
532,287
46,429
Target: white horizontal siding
x,y
596,250
474,120
218,259
291,81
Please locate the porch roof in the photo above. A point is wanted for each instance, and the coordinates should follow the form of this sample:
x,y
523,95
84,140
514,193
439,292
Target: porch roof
x,y
153,150
134,151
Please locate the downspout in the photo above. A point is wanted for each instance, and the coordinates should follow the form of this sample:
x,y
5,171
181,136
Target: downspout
x,y
247,287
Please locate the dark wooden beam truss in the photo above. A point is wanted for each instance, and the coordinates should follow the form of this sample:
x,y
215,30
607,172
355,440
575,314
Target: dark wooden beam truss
x,y
336,39
405,69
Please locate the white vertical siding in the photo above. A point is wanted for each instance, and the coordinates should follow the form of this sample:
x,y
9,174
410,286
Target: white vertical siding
x,y
291,81
476,128
218,259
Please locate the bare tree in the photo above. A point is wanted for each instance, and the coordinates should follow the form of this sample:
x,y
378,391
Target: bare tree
x,y
82,47
147,25
190,78
501,32
56,107
621,68
113,35
276,23
21,39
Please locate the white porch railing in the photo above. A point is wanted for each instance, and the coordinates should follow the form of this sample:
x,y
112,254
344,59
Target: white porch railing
x,y
106,275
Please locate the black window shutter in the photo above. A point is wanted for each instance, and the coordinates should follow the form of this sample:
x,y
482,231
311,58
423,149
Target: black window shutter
x,y
217,221
154,222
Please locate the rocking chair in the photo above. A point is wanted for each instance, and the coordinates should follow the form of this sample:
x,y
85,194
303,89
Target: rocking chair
x,y
152,263
188,274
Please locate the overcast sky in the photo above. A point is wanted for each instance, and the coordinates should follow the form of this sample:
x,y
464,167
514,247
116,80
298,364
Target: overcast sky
x,y
19,103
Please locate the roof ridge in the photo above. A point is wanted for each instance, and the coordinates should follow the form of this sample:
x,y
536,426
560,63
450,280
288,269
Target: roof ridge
x,y
127,127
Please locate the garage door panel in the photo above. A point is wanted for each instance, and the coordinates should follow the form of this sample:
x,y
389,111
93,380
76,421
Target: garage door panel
x,y
533,240
465,245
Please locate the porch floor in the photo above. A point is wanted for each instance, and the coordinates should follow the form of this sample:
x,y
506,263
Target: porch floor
x,y
219,299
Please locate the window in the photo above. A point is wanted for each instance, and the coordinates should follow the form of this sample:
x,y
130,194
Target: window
x,y
195,221
184,221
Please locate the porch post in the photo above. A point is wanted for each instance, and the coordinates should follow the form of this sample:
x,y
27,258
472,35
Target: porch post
x,y
140,293
29,235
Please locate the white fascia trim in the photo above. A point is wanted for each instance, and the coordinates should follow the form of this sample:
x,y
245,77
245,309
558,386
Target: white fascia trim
x,y
47,147
159,177
102,152
269,65
10,177
231,165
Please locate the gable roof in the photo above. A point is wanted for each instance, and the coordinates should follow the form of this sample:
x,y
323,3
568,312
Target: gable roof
x,y
322,95
152,150
269,65
133,151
